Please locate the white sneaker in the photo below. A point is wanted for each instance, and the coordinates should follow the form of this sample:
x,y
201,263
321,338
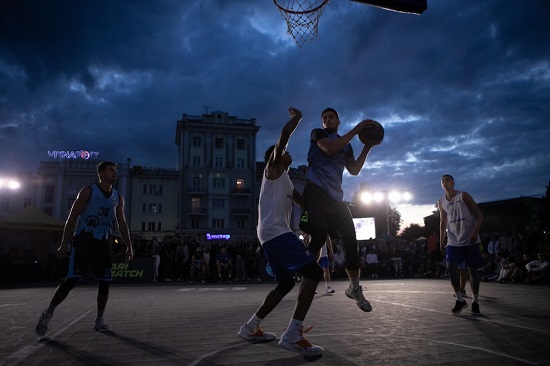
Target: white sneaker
x,y
328,290
357,295
255,335
43,321
294,340
100,326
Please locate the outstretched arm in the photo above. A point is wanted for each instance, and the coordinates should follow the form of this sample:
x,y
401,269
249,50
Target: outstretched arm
x,y
275,166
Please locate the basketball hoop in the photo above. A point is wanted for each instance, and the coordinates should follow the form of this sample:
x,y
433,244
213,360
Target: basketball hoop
x,y
302,18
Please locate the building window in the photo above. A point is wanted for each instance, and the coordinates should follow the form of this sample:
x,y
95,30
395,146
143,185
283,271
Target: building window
x,y
218,224
219,183
197,141
151,226
218,162
240,183
240,223
144,189
196,184
48,194
152,208
195,223
240,163
160,208
218,203
240,144
159,190
143,226
28,201
196,161
159,226
218,143
195,204
144,208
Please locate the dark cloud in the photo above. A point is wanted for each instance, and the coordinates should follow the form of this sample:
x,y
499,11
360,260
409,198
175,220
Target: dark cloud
x,y
463,88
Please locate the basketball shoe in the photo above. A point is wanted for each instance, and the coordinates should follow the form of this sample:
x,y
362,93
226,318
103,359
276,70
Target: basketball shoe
x,y
294,340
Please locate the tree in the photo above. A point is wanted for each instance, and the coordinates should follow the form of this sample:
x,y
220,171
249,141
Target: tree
x,y
413,232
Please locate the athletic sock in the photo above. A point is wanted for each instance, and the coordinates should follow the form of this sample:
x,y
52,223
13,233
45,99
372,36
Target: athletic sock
x,y
295,324
459,296
476,298
354,282
254,321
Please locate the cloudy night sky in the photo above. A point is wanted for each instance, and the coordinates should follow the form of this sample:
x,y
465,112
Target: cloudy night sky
x,y
462,89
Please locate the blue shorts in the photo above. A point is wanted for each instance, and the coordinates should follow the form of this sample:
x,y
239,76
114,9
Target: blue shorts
x,y
470,254
286,254
323,262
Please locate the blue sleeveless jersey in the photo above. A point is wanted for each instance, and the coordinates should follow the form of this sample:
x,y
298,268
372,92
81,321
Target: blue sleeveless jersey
x,y
96,220
327,170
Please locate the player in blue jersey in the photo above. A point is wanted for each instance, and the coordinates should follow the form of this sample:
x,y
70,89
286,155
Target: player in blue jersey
x,y
326,213
92,213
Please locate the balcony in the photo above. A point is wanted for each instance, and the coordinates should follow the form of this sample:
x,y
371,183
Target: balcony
x,y
242,212
244,192
196,191
196,211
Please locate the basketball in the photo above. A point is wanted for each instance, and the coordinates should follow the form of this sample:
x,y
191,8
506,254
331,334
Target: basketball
x,y
372,134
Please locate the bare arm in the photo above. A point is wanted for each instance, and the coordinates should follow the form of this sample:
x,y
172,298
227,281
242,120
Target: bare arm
x,y
442,227
473,207
275,166
354,166
78,206
124,230
331,147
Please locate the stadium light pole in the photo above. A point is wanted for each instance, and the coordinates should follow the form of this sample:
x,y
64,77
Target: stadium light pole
x,y
386,196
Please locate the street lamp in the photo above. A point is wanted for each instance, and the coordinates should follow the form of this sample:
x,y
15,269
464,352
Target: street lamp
x,y
9,183
386,196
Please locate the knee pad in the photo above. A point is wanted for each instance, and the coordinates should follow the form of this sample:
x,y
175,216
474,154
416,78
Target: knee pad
x,y
284,287
312,271
67,285
103,288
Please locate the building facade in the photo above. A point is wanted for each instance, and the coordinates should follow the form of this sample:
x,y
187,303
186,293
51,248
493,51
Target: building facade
x,y
217,175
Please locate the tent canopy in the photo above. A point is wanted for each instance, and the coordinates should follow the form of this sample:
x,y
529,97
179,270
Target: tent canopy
x,y
31,218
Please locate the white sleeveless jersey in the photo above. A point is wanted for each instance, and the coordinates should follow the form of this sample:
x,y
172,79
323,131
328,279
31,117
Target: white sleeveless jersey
x,y
324,251
460,221
275,207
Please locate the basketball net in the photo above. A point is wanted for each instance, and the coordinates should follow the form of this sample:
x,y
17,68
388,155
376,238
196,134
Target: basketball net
x,y
302,18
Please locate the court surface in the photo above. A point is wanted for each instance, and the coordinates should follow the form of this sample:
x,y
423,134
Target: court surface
x,y
189,324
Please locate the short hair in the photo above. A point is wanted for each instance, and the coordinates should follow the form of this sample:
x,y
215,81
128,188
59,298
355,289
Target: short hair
x,y
268,153
448,175
101,167
330,110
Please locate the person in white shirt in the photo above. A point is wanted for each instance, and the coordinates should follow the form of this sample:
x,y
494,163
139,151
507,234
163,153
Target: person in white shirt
x,y
537,270
372,264
460,221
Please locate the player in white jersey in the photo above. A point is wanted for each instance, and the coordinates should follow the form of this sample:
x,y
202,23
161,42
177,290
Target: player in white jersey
x,y
286,253
460,221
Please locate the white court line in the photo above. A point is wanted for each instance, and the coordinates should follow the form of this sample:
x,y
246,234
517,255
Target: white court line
x,y
17,357
479,318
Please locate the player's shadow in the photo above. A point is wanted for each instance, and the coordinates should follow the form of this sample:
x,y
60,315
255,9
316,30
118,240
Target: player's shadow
x,y
148,347
82,356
